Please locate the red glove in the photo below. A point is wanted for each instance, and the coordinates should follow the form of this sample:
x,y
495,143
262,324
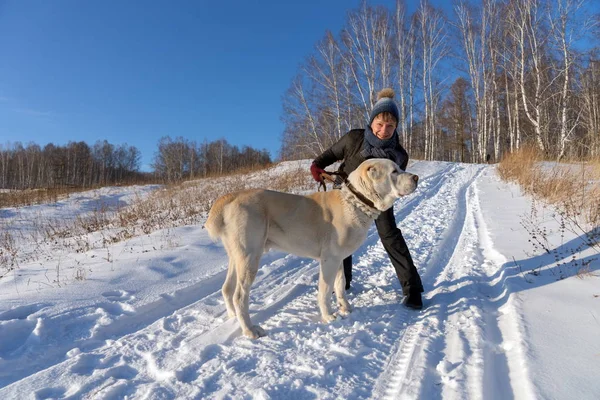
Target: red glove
x,y
316,172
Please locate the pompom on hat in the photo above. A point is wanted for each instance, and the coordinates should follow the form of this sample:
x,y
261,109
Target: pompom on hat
x,y
385,103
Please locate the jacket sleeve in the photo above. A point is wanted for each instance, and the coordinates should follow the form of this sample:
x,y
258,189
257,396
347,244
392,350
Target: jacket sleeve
x,y
333,154
402,158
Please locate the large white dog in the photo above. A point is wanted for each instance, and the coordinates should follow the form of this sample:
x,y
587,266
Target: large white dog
x,y
325,226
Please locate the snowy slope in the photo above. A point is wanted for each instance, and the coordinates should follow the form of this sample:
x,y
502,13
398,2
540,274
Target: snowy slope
x,y
149,321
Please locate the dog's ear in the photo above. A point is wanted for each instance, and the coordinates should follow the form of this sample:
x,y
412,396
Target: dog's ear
x,y
374,172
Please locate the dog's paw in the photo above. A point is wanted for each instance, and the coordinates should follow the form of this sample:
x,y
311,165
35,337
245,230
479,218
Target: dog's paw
x,y
255,332
329,318
345,309
231,314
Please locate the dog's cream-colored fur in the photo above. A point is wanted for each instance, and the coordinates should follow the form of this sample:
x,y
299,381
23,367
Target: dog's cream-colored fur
x,y
326,226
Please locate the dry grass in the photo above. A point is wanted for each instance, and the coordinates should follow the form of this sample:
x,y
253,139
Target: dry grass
x,y
572,189
189,202
8,253
519,166
29,197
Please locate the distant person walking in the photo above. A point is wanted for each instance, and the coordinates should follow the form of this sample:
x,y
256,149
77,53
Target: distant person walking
x,y
378,140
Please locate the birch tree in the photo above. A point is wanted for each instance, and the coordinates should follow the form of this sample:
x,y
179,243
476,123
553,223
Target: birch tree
x,y
325,69
368,42
432,38
301,135
590,94
528,32
481,64
566,27
405,49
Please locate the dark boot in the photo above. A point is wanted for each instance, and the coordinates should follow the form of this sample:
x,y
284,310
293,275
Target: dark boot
x,y
348,270
414,300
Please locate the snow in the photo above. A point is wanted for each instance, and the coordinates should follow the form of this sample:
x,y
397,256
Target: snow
x,y
147,320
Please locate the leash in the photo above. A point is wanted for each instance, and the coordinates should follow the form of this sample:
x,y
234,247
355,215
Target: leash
x,y
327,176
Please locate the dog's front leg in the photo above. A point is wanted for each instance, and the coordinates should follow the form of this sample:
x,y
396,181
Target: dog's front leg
x,y
340,292
326,279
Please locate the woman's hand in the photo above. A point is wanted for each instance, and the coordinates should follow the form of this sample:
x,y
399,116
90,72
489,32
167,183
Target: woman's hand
x,y
316,172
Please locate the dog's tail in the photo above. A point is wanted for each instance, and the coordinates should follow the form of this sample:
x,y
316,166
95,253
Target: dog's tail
x,y
216,219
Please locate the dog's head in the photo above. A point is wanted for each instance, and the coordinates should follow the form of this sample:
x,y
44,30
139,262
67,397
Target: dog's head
x,y
382,181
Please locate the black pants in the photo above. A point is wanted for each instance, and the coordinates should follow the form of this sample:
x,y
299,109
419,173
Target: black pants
x,y
395,245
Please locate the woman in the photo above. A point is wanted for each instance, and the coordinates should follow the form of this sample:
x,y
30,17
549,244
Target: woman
x,y
378,140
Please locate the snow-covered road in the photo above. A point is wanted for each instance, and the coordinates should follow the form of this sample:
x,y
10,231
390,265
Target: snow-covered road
x,y
138,338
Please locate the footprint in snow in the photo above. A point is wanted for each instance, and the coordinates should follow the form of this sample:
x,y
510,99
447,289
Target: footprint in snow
x,y
14,334
118,302
122,372
119,295
21,312
86,364
50,393
117,309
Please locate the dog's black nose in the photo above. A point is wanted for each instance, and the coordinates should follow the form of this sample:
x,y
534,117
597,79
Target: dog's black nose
x,y
415,178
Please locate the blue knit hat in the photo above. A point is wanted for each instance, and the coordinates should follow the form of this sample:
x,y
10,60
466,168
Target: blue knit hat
x,y
385,103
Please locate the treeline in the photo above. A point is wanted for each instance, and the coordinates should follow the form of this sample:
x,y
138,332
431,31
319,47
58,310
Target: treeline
x,y
486,79
75,164
180,158
79,165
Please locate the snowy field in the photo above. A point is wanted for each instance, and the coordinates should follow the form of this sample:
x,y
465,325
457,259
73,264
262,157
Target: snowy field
x,y
144,318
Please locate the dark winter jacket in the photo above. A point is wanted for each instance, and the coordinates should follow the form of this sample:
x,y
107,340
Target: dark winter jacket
x,y
348,149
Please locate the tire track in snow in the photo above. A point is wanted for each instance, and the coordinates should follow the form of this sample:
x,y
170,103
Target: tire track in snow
x,y
430,229
465,353
466,343
491,363
506,324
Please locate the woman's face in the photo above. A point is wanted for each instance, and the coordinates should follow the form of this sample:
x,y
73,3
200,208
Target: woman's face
x,y
383,129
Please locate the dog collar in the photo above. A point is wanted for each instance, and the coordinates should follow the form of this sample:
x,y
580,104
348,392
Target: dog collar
x,y
359,195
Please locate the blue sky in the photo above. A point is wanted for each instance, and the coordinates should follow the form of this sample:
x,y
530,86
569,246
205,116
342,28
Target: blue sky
x,y
134,71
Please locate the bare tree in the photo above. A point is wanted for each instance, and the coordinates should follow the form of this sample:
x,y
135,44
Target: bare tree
x,y
302,132
432,30
326,70
457,121
368,41
480,57
405,47
531,37
590,94
566,26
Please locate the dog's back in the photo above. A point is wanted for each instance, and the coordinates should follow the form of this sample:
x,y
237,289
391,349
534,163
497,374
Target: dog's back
x,y
235,209
227,209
